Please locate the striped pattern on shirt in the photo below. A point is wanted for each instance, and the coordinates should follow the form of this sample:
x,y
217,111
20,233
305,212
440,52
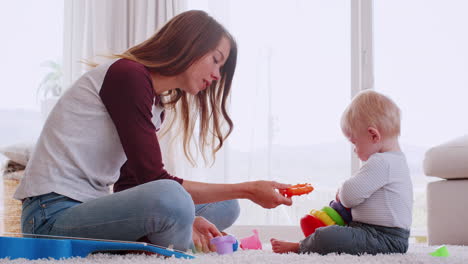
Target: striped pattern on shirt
x,y
381,192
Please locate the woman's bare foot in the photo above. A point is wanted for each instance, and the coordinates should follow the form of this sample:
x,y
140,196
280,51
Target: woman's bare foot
x,y
280,246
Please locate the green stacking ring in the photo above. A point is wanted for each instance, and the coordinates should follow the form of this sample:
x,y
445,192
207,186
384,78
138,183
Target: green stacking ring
x,y
333,214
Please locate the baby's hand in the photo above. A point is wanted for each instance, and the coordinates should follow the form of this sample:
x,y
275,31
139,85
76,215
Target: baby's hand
x,y
337,196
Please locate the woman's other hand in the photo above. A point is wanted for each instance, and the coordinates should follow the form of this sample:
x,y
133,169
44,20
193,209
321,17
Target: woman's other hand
x,y
265,194
203,232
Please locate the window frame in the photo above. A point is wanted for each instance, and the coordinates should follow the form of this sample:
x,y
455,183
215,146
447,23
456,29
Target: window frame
x,y
362,66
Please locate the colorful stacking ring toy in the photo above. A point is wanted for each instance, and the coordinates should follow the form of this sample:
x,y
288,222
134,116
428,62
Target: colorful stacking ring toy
x,y
334,215
298,189
344,213
309,224
327,220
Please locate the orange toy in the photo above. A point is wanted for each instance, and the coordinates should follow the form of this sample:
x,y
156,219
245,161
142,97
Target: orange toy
x,y
298,189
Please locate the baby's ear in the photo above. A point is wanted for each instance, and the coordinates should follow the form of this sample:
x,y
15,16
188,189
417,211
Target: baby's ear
x,y
374,134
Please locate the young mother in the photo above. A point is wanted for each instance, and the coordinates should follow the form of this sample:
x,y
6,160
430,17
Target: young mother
x,y
102,132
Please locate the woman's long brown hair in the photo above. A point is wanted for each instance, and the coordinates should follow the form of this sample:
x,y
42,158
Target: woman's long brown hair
x,y
170,51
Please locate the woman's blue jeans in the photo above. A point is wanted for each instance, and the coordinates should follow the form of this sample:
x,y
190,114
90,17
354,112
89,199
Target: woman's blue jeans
x,y
163,211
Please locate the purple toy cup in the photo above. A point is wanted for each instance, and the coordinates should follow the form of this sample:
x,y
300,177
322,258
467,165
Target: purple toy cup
x,y
224,244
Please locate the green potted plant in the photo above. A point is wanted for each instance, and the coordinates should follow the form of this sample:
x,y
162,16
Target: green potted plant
x,y
51,87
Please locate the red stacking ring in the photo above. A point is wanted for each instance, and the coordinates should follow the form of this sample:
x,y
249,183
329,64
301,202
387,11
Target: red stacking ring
x,y
309,223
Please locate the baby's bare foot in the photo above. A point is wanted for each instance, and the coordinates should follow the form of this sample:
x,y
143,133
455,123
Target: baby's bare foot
x,y
280,246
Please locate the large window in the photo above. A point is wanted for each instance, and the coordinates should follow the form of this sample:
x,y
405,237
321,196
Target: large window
x,y
31,45
291,86
421,61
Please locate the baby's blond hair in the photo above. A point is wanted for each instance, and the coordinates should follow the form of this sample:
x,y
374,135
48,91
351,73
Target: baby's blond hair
x,y
371,109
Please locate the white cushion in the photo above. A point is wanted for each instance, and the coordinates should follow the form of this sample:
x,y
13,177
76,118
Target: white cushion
x,y
446,218
448,160
19,153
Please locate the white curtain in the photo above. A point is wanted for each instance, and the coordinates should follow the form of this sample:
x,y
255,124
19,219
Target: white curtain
x,y
103,27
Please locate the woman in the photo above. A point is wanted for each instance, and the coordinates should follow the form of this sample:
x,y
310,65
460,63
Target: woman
x,y
102,132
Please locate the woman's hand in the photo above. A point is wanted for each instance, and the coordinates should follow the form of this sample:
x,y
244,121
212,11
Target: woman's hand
x,y
203,232
264,193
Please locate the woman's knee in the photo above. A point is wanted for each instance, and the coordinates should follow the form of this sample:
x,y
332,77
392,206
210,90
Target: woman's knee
x,y
222,214
169,198
232,210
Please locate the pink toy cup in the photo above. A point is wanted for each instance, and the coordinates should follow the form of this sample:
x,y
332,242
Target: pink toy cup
x,y
251,242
